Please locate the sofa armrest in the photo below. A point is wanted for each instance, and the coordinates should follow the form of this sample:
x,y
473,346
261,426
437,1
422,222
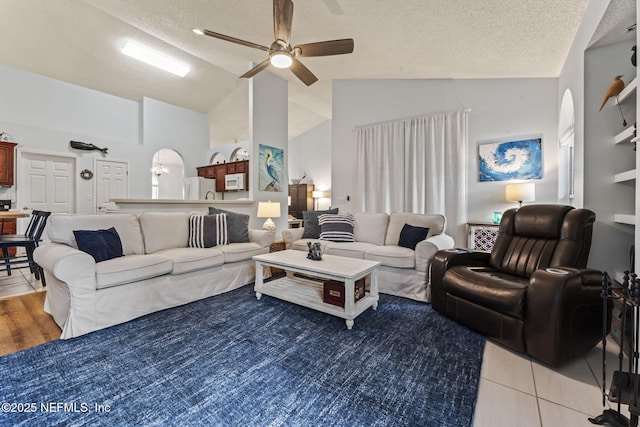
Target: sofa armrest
x,y
445,259
290,235
426,249
261,237
563,313
67,264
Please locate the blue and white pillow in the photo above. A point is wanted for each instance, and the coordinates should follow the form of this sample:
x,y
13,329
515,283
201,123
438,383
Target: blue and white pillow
x,y
206,231
336,227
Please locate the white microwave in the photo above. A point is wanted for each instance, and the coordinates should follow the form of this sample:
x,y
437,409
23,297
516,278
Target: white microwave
x,y
234,181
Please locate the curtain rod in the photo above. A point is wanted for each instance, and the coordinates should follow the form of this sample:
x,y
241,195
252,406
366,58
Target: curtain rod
x,y
466,110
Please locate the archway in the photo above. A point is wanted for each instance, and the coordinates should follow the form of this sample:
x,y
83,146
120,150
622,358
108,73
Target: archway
x,y
216,158
167,175
566,152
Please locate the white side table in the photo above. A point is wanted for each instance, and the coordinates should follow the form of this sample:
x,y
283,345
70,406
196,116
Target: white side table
x,y
482,235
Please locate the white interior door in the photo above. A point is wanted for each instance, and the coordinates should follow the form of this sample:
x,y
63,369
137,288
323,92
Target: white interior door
x,y
48,182
112,181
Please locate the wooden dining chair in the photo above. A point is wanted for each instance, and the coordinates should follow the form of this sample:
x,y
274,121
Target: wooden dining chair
x,y
29,241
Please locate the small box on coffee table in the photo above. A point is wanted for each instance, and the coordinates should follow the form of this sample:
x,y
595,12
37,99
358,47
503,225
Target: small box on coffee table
x,y
333,292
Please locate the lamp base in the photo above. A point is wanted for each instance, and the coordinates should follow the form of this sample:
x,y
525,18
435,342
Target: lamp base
x,y
269,225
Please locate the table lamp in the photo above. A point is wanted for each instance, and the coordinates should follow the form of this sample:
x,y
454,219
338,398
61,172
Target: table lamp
x,y
269,210
520,192
316,194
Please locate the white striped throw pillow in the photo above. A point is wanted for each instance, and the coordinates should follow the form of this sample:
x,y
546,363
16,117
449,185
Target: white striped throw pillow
x,y
206,231
336,227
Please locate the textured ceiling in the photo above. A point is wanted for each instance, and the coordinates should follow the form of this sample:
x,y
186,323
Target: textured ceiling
x,y
79,41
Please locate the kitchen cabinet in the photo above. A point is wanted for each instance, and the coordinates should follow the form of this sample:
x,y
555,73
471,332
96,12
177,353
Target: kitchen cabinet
x,y
301,199
6,163
220,170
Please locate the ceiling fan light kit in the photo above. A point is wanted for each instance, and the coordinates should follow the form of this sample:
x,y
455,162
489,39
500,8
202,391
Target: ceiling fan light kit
x,y
281,60
281,53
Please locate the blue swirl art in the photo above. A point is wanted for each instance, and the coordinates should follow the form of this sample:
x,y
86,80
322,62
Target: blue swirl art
x,y
505,161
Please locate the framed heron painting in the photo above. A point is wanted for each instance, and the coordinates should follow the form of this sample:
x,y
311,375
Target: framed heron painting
x,y
504,161
271,170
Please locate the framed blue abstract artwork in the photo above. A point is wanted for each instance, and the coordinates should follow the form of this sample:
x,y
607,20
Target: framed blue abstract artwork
x,y
271,168
504,161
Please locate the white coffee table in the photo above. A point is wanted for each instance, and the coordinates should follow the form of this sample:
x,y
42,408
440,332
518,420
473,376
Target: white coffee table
x,y
308,292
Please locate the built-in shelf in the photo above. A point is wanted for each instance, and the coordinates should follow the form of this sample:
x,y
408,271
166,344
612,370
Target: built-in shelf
x,y
625,135
627,91
625,176
625,219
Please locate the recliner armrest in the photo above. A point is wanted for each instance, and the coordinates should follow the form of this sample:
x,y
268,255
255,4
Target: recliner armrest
x,y
563,313
445,259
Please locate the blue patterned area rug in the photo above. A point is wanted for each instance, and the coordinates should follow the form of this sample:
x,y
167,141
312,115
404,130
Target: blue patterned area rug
x,y
232,360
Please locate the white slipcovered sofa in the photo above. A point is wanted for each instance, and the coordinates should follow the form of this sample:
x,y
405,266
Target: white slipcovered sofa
x,y
157,270
404,272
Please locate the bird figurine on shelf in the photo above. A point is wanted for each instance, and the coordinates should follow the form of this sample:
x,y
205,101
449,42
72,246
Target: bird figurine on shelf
x,y
614,90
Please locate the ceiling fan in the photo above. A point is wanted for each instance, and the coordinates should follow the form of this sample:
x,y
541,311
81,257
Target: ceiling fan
x,y
281,53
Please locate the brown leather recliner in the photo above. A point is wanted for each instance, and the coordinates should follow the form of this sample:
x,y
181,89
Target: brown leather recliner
x,y
532,293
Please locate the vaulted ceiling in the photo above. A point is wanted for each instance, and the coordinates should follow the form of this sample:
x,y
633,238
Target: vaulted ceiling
x,y
79,41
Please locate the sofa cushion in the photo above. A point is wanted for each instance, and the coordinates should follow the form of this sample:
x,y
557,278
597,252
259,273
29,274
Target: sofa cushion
x,y
392,256
130,268
397,220
336,228
207,231
348,249
237,225
370,227
410,236
61,226
191,259
311,226
234,252
164,230
102,245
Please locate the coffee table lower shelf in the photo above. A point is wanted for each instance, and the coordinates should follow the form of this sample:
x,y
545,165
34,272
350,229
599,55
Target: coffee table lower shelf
x,y
308,293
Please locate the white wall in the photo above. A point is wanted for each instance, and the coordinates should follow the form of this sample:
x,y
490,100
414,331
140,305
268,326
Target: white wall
x,y
44,114
588,75
603,159
572,78
310,153
500,109
268,125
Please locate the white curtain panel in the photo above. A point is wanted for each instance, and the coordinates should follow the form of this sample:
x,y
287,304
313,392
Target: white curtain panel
x,y
415,165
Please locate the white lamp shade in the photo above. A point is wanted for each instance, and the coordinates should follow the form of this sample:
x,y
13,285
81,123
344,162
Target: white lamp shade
x,y
268,209
317,194
520,192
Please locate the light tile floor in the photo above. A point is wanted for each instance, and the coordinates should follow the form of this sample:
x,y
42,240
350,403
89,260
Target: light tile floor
x,y
518,391
514,390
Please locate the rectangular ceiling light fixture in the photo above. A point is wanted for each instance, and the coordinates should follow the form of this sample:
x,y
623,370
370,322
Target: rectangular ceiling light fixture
x,y
155,58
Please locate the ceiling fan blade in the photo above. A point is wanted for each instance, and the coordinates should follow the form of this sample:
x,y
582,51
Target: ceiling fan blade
x,y
302,72
282,19
326,48
255,70
234,40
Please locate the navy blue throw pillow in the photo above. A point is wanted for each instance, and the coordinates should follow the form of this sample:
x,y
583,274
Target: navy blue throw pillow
x,y
102,245
410,236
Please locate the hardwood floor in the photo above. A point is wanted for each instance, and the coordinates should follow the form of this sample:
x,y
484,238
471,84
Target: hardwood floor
x,y
24,324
